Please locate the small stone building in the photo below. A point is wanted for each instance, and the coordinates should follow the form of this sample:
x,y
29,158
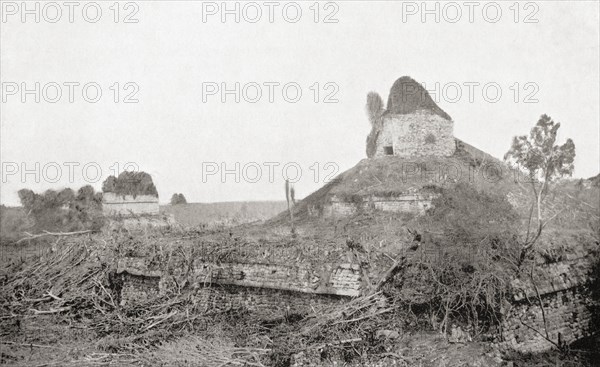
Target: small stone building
x,y
412,124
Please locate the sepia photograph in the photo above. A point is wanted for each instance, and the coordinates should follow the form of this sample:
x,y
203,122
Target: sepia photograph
x,y
360,183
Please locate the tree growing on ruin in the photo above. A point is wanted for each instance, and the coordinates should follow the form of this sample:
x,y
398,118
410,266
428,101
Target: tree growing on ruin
x,y
544,161
375,110
130,183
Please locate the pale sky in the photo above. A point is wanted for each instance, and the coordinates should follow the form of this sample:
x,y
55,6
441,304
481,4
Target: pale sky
x,y
171,51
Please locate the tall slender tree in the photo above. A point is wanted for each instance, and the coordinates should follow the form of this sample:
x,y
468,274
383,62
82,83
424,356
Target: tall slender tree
x,y
544,161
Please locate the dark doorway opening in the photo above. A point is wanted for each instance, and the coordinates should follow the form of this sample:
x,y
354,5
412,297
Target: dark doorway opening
x,y
388,150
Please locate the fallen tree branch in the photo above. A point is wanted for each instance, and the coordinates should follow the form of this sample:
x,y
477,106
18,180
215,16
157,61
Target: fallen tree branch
x,y
29,345
539,333
51,311
388,275
46,233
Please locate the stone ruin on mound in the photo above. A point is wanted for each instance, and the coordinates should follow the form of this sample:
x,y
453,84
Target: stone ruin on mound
x,y
130,194
411,125
131,201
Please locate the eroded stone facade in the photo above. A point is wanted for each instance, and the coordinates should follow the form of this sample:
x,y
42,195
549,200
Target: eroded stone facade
x,y
560,289
273,291
127,205
414,203
264,302
417,134
269,290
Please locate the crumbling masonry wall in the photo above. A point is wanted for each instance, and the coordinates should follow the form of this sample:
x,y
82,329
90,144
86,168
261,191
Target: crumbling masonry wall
x,y
127,205
264,302
417,134
266,289
566,313
273,290
565,302
414,203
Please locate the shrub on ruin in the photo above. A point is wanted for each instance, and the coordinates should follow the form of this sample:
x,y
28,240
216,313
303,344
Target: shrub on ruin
x,y
467,257
130,183
375,110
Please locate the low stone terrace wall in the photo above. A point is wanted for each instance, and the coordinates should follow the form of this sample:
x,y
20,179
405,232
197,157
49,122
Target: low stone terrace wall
x,y
560,288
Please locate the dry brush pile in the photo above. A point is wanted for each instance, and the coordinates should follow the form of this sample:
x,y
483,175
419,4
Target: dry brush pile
x,y
74,282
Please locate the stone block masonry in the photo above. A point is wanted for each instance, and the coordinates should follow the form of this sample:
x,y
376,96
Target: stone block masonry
x,y
413,203
340,279
418,134
568,319
266,303
333,279
270,290
559,289
127,205
274,290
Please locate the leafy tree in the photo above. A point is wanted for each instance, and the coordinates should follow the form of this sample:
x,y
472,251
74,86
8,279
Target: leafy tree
x,y
63,210
178,199
130,183
544,161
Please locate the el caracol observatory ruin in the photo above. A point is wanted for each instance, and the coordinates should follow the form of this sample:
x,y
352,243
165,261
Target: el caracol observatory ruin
x,y
411,125
412,154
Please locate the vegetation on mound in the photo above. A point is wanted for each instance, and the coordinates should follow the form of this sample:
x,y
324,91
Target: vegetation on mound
x,y
130,183
52,211
396,176
13,223
408,96
595,181
463,272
